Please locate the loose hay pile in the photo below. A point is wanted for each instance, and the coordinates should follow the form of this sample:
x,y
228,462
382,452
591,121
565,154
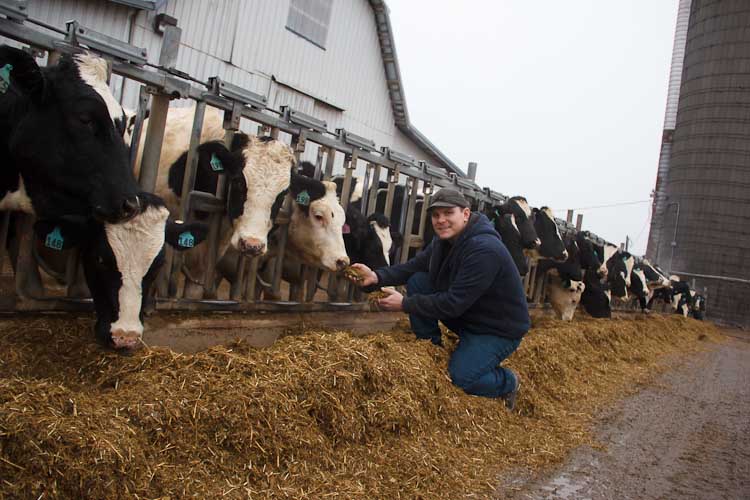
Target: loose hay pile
x,y
314,416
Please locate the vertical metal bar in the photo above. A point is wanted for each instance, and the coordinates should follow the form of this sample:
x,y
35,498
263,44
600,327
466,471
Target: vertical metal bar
x,y
231,123
140,116
154,138
319,162
409,220
365,188
286,210
350,163
252,274
174,259
392,183
330,160
296,289
372,196
532,282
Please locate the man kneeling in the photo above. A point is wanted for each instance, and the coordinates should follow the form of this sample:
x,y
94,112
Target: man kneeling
x,y
465,278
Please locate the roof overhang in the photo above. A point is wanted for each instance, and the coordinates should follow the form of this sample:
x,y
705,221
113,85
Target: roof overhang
x,y
396,88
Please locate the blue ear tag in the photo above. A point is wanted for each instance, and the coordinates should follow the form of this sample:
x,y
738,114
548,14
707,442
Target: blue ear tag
x,y
303,199
216,165
186,240
5,78
54,240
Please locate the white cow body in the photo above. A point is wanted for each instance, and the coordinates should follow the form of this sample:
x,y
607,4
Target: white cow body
x,y
564,299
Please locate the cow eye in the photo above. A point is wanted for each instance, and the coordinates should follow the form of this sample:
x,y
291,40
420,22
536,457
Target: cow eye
x,y
319,217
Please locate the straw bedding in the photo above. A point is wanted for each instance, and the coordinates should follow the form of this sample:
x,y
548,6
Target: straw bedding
x,y
317,415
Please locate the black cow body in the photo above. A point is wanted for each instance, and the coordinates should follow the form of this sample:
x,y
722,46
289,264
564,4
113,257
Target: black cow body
x,y
58,133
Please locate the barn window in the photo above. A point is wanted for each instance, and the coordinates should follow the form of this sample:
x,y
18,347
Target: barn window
x,y
310,19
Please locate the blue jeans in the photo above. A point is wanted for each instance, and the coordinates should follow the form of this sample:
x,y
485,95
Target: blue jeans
x,y
474,365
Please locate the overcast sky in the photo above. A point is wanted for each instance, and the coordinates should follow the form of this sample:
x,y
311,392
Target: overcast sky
x,y
559,101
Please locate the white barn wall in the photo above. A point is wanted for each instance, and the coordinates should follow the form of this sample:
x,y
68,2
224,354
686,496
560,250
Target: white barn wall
x,y
247,44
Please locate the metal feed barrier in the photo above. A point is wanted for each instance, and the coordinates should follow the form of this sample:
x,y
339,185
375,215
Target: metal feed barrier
x,y
160,84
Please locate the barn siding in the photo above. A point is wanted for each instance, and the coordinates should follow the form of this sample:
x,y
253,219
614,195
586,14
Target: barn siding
x,y
247,44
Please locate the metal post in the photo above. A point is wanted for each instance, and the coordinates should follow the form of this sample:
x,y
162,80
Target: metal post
x,y
579,222
188,181
372,196
330,160
392,183
296,289
216,220
472,170
569,216
409,220
140,117
154,138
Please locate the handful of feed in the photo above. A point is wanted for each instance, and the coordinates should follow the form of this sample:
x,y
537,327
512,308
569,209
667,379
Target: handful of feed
x,y
353,274
374,297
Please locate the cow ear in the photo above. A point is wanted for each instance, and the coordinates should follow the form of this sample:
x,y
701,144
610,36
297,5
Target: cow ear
x,y
183,236
213,159
60,234
305,190
20,72
307,169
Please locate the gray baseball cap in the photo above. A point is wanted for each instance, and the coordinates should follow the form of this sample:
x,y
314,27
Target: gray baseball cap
x,y
448,197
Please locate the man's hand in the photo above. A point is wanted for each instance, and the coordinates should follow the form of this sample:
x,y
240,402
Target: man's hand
x,y
392,302
367,275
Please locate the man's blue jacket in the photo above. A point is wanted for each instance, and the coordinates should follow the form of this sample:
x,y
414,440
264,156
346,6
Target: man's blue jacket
x,y
477,285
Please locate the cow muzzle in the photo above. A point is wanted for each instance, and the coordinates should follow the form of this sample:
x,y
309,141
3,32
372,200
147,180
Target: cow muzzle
x,y
251,247
126,340
342,263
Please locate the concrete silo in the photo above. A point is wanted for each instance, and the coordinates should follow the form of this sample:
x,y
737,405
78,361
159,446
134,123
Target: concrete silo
x,y
701,219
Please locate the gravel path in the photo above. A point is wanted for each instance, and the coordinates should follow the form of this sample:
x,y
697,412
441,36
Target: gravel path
x,y
687,437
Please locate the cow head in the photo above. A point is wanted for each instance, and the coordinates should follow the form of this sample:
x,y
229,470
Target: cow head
x,y
588,255
316,226
258,173
619,266
62,130
552,245
518,207
121,261
511,235
564,295
367,240
655,278
638,283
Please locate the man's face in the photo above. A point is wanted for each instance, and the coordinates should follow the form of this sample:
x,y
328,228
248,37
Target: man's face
x,y
448,222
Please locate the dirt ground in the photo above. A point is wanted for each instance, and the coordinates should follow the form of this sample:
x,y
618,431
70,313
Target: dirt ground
x,y
686,436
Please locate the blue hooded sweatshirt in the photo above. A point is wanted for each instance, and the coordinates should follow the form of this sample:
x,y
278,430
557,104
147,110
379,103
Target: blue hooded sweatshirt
x,y
477,286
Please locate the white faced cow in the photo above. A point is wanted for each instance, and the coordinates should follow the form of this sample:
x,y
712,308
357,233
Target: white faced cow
x,y
120,262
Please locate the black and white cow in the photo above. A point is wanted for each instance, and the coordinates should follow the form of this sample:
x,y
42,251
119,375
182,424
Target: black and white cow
x,y
61,140
619,266
682,296
260,173
639,287
367,239
551,245
699,306
594,298
120,262
565,284
518,207
505,225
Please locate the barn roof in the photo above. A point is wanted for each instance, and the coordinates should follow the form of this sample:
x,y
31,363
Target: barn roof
x,y
396,88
